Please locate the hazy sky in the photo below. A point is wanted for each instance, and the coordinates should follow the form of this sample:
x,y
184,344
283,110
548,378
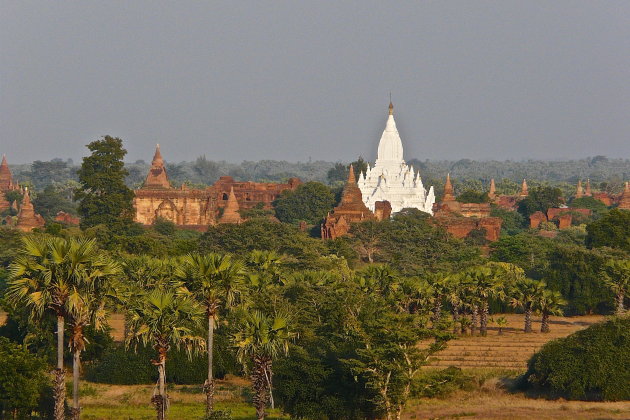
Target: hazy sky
x,y
296,80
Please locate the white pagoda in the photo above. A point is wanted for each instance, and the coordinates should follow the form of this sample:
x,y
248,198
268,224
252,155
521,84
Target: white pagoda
x,y
391,178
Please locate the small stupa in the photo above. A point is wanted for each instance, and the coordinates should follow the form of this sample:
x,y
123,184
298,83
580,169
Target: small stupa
x,y
230,211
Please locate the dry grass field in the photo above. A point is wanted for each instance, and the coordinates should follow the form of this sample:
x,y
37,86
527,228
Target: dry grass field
x,y
512,349
492,401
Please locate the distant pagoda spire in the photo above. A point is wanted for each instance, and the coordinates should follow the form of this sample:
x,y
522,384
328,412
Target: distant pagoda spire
x,y
492,193
524,190
6,179
351,177
579,191
588,191
157,178
230,211
27,220
157,157
449,194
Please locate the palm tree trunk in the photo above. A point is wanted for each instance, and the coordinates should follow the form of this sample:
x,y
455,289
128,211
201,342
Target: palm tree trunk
x,y
473,319
209,385
59,390
261,388
620,297
456,327
437,310
483,321
76,365
161,400
528,318
544,325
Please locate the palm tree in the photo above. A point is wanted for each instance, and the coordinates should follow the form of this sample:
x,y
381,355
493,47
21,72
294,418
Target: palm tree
x,y
46,273
525,294
456,293
214,281
259,339
616,275
161,318
549,303
86,305
491,281
440,287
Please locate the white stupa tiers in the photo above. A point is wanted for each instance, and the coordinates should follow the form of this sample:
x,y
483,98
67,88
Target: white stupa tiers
x,y
391,178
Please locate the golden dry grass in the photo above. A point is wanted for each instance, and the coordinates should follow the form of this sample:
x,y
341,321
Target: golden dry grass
x,y
512,349
491,401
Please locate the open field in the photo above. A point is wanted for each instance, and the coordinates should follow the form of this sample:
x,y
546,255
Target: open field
x,y
492,401
109,402
511,350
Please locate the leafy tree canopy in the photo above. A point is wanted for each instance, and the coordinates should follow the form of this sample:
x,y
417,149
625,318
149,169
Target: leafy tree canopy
x,y
540,199
104,198
473,196
612,230
310,202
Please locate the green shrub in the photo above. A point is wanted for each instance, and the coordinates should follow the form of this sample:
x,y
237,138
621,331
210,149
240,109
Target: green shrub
x,y
23,380
122,366
440,383
592,364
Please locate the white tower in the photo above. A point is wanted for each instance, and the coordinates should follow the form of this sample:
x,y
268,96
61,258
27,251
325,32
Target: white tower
x,y
391,178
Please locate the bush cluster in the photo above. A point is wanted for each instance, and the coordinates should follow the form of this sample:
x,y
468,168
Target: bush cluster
x,y
119,366
592,364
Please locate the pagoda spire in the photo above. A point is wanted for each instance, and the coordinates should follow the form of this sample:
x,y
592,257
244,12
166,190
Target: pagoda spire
x,y
230,211
157,178
391,106
157,157
492,193
449,194
588,192
351,177
6,179
524,190
579,192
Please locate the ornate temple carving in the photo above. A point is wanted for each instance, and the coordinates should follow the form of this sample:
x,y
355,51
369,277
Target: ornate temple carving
x,y
391,179
199,208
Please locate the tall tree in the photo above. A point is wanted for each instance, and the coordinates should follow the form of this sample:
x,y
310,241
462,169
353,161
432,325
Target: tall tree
x,y
549,303
163,319
525,294
309,202
103,196
45,275
214,280
87,304
259,339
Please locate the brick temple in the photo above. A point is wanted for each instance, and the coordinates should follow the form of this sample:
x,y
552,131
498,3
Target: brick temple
x,y
352,209
199,208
